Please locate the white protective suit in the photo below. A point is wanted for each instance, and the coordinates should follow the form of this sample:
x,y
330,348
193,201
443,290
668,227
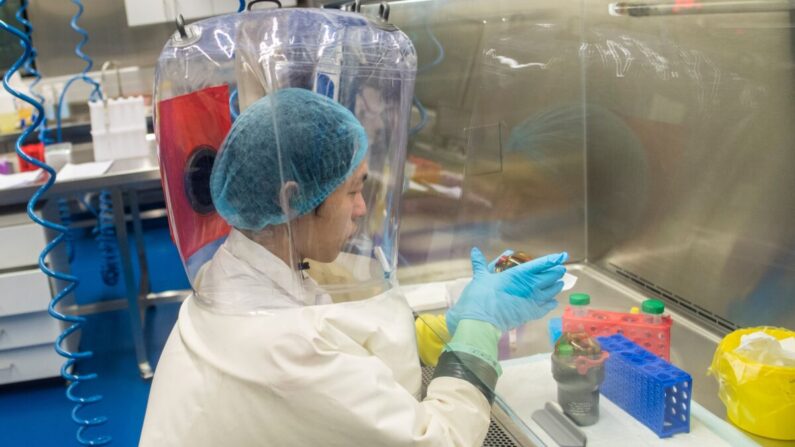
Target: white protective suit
x,y
342,374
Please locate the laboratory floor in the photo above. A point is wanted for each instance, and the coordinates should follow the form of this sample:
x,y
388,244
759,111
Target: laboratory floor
x,y
39,414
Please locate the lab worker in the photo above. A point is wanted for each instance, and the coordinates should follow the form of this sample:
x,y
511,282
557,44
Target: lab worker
x,y
261,354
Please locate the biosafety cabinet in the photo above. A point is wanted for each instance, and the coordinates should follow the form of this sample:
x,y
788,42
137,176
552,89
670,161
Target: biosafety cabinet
x,y
652,141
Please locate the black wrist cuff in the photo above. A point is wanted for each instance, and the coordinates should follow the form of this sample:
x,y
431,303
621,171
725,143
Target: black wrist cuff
x,y
470,368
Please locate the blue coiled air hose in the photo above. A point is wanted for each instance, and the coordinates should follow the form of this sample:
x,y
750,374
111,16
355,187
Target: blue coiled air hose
x,y
104,231
105,235
31,69
241,7
96,92
63,205
233,112
65,214
72,281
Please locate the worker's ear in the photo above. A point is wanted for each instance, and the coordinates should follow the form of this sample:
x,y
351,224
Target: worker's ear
x,y
286,194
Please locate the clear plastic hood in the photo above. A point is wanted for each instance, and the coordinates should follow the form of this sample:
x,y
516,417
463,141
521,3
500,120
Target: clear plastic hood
x,y
290,125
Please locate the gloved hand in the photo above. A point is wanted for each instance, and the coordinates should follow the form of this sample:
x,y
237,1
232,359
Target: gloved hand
x,y
509,299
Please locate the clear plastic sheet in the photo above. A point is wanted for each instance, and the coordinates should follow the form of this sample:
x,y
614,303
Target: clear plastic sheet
x,y
228,63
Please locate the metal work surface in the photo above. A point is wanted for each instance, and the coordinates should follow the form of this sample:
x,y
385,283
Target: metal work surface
x,y
132,173
689,156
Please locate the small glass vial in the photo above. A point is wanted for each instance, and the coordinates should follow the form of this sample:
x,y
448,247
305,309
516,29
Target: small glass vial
x,y
512,260
579,304
653,311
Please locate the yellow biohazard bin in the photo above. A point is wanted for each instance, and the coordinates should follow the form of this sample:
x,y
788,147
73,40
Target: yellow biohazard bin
x,y
759,398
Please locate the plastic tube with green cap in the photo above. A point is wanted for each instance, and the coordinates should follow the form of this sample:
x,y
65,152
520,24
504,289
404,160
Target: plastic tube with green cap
x,y
653,310
579,304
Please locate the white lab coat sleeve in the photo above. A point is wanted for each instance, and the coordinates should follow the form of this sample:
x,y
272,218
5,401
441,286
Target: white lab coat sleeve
x,y
355,401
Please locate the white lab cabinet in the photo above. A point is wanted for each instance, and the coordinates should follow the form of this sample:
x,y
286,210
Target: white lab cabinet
x,y
21,242
29,363
27,331
23,291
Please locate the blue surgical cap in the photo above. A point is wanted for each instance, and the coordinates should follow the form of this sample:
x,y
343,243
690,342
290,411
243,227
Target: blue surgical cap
x,y
291,135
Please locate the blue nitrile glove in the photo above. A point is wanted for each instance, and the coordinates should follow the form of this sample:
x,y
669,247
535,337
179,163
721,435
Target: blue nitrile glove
x,y
511,298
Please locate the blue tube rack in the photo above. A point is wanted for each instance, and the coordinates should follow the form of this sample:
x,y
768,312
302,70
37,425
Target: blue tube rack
x,y
653,391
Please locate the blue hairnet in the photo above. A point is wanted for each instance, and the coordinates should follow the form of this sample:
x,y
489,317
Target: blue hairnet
x,y
315,141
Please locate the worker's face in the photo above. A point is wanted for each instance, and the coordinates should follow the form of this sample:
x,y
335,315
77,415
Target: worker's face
x,y
326,230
